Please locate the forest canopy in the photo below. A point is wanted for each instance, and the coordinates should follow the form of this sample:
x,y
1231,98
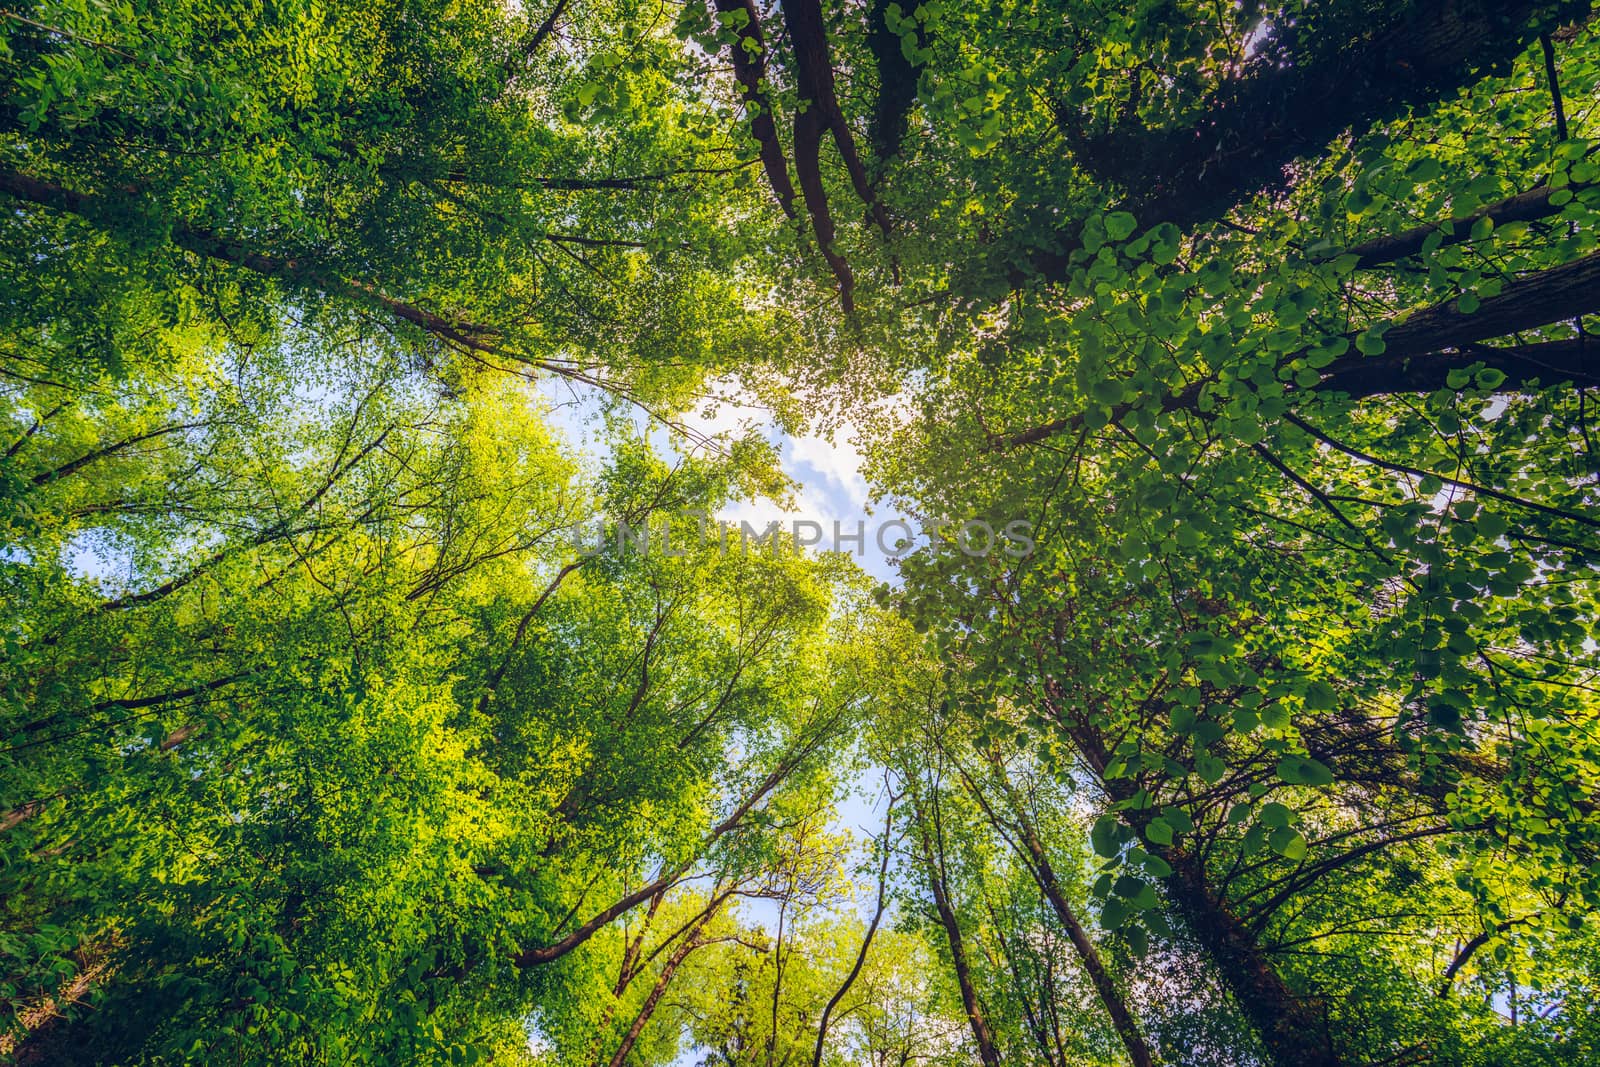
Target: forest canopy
x,y
325,324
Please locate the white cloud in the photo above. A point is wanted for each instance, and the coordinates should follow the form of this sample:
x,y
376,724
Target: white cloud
x,y
838,462
734,409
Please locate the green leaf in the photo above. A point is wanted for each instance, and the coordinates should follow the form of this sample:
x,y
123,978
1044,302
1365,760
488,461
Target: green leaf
x,y
1275,716
1301,770
1104,836
1127,886
1287,842
1320,696
1444,713
1108,391
1155,866
1164,243
1119,224
1274,814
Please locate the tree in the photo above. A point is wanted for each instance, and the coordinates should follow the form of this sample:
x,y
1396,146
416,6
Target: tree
x,y
322,739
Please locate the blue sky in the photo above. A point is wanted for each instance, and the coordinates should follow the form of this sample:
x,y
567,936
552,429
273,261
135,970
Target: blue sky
x,y
828,468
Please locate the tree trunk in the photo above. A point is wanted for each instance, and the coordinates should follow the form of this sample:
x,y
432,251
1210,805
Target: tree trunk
x,y
1044,874
1420,352
1311,79
866,941
1293,1028
952,930
670,968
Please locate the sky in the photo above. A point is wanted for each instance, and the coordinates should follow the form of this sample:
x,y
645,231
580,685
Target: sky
x,y
832,487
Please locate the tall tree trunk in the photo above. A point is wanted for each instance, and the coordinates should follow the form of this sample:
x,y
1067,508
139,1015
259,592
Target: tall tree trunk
x,y
952,930
1421,351
625,975
750,70
1311,79
664,979
866,941
1292,1027
535,957
1044,874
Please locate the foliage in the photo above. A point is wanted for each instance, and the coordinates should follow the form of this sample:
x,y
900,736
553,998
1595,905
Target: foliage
x,y
323,739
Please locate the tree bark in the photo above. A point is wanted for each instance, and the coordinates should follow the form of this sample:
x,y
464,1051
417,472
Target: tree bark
x,y
1523,207
808,36
866,942
535,957
1291,1027
1310,80
750,69
808,129
690,942
302,270
1420,352
1044,875
952,930
897,83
